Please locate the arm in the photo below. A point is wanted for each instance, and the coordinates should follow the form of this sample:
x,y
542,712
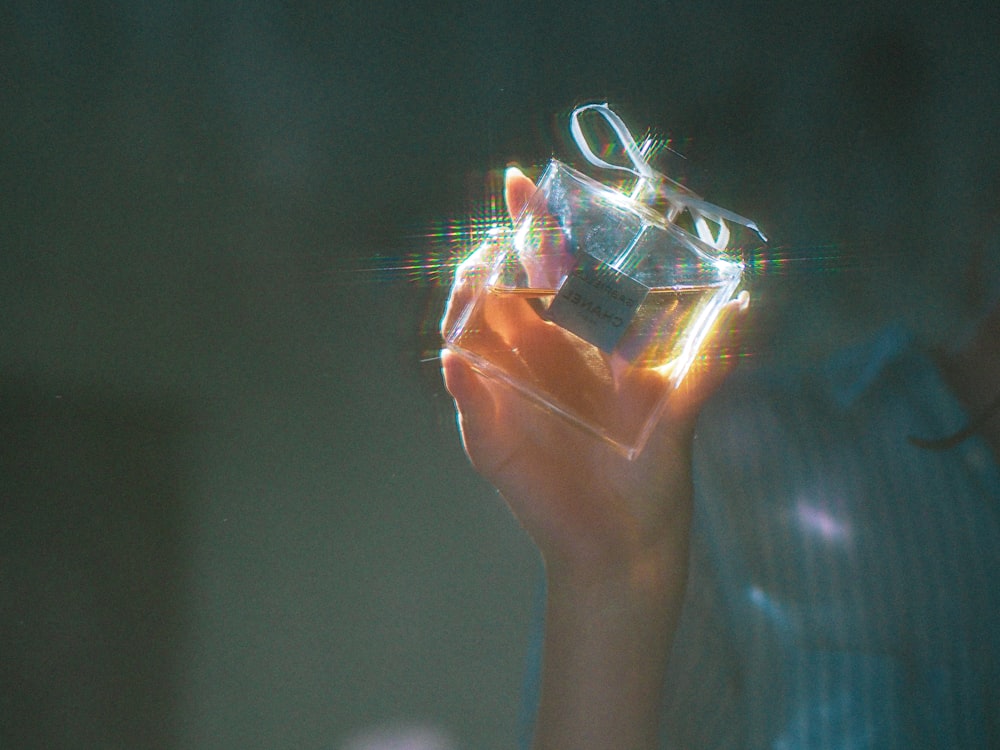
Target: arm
x,y
608,633
613,535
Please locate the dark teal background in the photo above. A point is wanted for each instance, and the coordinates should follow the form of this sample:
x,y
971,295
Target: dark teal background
x,y
234,511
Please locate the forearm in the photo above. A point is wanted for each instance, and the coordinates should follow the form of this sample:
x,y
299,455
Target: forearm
x,y
607,639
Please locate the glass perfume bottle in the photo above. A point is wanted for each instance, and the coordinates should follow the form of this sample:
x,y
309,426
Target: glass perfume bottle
x,y
594,291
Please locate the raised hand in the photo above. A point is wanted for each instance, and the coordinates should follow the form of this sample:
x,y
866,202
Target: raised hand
x,y
613,533
577,497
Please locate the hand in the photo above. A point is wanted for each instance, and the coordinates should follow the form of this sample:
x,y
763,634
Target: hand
x,y
613,533
584,504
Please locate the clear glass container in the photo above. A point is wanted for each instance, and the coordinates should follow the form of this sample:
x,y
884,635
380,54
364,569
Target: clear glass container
x,y
593,293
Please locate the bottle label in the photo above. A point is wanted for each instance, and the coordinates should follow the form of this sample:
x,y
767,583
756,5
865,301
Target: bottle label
x,y
596,302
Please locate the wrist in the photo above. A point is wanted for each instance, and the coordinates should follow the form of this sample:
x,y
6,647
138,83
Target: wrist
x,y
622,559
648,577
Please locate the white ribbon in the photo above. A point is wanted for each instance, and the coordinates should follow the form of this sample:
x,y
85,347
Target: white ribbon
x,y
700,210
640,167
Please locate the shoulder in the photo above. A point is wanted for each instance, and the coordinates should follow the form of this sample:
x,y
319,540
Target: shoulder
x,y
882,385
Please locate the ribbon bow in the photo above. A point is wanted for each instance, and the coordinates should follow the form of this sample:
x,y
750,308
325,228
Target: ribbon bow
x,y
701,211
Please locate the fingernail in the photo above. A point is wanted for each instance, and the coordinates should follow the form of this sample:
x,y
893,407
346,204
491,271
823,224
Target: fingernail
x,y
512,172
744,300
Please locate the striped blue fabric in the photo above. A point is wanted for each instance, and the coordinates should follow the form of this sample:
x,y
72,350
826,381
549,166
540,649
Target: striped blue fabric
x,y
843,590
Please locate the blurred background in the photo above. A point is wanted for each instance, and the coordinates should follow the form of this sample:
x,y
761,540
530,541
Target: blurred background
x,y
234,510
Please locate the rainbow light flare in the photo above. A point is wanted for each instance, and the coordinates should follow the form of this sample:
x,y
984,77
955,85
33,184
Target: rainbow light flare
x,y
444,243
435,251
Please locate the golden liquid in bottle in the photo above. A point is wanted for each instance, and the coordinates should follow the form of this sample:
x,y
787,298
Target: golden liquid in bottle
x,y
652,334
507,334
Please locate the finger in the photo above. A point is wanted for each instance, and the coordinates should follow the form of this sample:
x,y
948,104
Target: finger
x,y
544,254
517,191
470,277
474,401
